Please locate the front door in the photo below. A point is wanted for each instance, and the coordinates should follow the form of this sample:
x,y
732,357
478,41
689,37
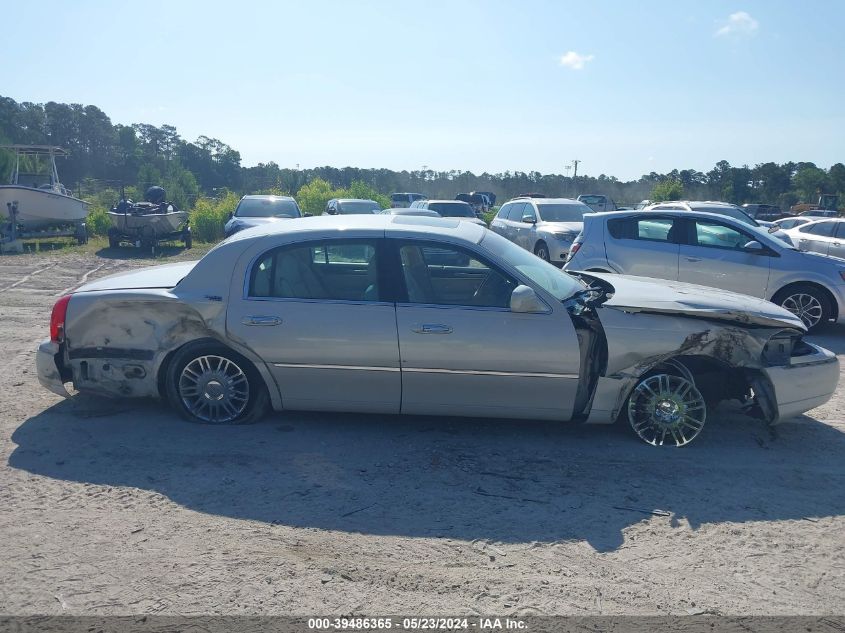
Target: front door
x,y
313,312
463,352
715,256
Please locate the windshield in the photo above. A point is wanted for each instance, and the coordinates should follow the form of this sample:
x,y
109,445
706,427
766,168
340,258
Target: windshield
x,y
353,207
563,212
731,212
452,209
267,208
559,284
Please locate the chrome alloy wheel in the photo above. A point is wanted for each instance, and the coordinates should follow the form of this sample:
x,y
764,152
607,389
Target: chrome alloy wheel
x,y
806,307
214,389
664,406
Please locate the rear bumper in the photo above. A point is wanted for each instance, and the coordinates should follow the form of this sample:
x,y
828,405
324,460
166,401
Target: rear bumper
x,y
808,382
48,371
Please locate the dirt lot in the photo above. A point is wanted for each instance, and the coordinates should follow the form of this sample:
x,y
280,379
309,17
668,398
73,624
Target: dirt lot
x,y
111,507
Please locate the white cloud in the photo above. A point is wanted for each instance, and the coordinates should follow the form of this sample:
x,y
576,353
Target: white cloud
x,y
739,23
574,60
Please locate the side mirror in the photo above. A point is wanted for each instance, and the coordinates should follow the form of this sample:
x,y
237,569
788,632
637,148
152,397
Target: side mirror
x,y
524,299
230,215
529,219
754,246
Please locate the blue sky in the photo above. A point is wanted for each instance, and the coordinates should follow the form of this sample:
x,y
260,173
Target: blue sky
x,y
625,87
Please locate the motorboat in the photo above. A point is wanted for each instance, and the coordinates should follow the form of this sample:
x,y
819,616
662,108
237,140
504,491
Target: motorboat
x,y
42,204
148,222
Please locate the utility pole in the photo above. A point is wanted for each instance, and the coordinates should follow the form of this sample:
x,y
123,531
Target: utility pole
x,y
575,177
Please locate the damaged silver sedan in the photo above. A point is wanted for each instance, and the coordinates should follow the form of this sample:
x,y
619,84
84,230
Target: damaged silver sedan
x,y
421,315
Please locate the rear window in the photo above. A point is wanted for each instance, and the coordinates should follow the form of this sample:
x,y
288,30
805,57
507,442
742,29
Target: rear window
x,y
452,209
267,208
358,207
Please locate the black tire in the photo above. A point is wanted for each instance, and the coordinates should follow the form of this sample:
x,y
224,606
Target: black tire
x,y
665,405
245,392
541,250
809,303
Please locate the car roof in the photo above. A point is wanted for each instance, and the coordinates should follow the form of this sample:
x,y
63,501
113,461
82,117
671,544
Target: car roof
x,y
354,200
541,201
262,196
681,213
370,224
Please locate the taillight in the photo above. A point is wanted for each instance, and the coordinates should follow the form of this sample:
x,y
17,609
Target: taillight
x,y
57,320
573,249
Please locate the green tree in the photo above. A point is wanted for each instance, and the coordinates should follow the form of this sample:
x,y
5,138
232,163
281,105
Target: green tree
x,y
667,190
312,198
810,181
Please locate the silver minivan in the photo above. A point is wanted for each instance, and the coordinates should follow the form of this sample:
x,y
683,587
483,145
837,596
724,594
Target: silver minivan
x,y
544,226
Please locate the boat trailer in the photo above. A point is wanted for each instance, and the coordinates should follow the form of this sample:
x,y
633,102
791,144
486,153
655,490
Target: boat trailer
x,y
12,234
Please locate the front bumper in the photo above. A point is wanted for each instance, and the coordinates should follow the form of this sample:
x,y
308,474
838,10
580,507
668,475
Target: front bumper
x,y
558,249
49,374
807,382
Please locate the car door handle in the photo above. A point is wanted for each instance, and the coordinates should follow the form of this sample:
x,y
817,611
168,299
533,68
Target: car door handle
x,y
432,328
261,320
693,259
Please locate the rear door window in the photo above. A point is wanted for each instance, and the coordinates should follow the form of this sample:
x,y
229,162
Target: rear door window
x,y
653,229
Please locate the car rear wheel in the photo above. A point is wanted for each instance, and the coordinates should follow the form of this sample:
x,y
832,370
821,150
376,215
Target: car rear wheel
x,y
806,302
666,409
542,251
210,384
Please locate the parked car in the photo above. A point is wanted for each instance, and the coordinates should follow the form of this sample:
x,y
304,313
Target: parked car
x,y
597,203
257,210
717,251
479,202
450,209
491,197
791,222
764,212
826,237
351,206
346,313
720,208
404,200
820,213
544,226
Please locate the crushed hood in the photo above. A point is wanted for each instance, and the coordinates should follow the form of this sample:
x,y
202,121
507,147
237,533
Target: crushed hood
x,y
642,294
164,276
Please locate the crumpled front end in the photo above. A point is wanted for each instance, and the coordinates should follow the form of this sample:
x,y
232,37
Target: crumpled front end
x,y
771,371
807,382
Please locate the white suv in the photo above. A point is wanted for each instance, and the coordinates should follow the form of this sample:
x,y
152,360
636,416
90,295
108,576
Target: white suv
x,y
713,250
545,226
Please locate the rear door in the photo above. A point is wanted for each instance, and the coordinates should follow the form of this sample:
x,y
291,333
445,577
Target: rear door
x,y
816,237
499,223
313,311
714,255
463,352
837,246
644,245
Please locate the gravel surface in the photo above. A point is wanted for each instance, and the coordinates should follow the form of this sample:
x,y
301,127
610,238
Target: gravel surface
x,y
119,507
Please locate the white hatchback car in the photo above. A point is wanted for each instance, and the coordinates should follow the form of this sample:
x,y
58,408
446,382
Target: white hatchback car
x,y
713,250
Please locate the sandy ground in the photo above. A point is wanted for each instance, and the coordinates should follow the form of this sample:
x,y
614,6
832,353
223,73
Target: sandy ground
x,y
110,507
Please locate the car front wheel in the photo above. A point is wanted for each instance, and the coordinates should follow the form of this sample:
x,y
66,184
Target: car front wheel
x,y
210,384
542,251
665,409
806,302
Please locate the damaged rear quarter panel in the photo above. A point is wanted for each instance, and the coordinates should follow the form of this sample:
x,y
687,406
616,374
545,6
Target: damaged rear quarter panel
x,y
117,339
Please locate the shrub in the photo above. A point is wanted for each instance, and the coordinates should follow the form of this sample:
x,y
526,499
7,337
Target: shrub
x,y
209,215
98,221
